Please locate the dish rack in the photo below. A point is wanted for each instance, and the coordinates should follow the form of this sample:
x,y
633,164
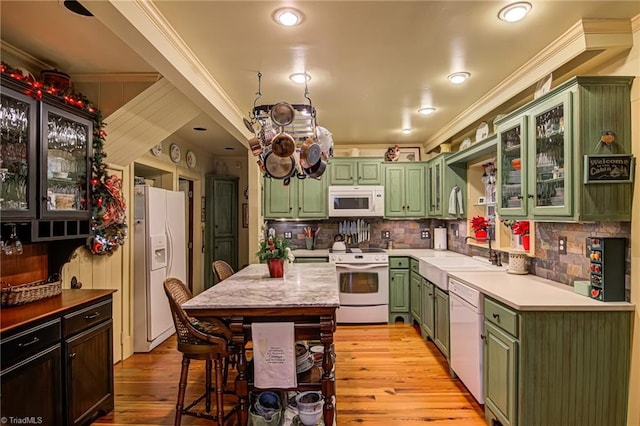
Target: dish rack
x,y
19,294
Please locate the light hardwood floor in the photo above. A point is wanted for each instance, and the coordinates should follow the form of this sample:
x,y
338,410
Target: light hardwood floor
x,y
385,375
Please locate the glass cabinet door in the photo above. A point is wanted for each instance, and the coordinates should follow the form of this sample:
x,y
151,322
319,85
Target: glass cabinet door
x,y
512,182
66,149
550,157
17,155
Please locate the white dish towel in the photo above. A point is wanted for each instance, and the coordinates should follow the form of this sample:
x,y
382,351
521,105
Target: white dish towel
x,y
274,355
455,201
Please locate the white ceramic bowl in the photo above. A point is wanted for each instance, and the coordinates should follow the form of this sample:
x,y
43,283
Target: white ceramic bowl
x,y
309,402
310,418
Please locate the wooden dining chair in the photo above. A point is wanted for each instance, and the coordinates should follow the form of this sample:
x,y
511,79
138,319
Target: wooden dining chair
x,y
202,340
222,270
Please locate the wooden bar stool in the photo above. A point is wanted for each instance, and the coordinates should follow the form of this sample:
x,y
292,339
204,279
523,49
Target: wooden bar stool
x,y
204,340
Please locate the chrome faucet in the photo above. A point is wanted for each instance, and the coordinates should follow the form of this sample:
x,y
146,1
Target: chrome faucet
x,y
494,256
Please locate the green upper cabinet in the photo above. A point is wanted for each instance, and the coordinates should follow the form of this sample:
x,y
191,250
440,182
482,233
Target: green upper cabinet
x,y
312,198
542,148
302,198
441,180
355,171
404,190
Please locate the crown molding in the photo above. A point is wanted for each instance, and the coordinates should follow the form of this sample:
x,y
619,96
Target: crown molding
x,y
610,36
27,60
132,77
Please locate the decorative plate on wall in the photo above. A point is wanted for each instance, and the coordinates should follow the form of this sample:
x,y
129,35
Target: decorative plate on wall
x,y
191,159
174,153
156,150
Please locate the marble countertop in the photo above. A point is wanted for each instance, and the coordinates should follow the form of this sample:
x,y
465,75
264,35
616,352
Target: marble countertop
x,y
415,253
533,293
303,284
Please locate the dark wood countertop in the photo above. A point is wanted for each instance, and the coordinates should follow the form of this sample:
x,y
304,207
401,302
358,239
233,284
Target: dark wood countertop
x,y
17,316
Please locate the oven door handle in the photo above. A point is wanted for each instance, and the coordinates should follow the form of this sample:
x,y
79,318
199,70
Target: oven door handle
x,y
361,267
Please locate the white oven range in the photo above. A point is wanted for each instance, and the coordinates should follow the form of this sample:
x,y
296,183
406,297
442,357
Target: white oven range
x,y
363,281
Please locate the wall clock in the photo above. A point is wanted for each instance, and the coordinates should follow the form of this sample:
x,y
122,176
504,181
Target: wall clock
x,y
174,153
157,150
191,159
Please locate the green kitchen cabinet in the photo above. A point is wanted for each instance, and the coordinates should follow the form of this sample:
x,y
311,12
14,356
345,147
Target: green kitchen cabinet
x,y
302,198
441,180
404,192
427,317
500,358
543,148
355,171
399,290
555,367
441,326
415,293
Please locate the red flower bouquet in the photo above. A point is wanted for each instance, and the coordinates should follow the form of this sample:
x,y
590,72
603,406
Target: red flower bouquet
x,y
479,223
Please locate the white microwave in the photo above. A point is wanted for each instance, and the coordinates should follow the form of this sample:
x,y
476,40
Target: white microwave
x,y
358,201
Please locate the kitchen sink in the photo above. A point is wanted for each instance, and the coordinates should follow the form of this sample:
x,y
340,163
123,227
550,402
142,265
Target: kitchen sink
x,y
436,269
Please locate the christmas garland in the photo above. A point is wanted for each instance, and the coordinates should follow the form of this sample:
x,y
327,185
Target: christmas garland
x,y
108,220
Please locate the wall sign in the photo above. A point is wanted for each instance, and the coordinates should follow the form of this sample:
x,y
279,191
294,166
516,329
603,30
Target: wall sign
x,y
614,168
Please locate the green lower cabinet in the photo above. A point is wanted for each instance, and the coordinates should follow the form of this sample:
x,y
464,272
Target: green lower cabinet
x,y
398,294
500,357
441,327
568,368
428,309
416,296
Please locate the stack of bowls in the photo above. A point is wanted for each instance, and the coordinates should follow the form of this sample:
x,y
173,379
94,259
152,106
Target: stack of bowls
x,y
304,360
266,410
309,407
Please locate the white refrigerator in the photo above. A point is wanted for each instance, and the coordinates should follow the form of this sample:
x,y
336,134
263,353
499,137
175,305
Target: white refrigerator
x,y
160,252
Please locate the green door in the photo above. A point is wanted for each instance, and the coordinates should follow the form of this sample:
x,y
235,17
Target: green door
x,y
394,191
399,290
441,338
221,223
500,369
414,190
312,199
279,199
416,296
428,309
226,196
369,172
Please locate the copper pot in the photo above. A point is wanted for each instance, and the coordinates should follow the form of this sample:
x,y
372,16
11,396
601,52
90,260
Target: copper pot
x,y
316,170
256,147
283,145
279,167
282,114
310,153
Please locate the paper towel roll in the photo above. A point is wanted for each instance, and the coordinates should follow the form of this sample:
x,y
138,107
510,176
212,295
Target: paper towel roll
x,y
440,238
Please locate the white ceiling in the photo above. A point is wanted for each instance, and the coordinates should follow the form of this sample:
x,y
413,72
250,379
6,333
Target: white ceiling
x,y
372,63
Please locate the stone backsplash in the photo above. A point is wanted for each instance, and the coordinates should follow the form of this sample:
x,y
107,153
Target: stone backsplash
x,y
548,262
402,233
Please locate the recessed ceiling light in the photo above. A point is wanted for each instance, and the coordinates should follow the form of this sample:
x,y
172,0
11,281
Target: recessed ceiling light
x,y
76,7
406,131
229,148
458,77
300,77
427,110
514,12
200,129
288,17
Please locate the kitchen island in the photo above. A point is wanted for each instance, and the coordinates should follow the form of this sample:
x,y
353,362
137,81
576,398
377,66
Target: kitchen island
x,y
307,295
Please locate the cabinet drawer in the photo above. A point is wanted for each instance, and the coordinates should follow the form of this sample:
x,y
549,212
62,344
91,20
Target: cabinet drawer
x,y
29,342
415,265
398,262
80,320
501,316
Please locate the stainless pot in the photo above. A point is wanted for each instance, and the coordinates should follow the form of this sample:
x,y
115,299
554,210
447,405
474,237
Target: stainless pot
x,y
282,114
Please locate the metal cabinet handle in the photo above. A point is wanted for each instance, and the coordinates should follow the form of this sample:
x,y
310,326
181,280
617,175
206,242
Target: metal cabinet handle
x,y
483,337
92,316
24,345
529,195
72,355
496,316
290,208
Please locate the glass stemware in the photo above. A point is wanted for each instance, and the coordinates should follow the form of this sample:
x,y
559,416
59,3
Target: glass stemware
x,y
13,246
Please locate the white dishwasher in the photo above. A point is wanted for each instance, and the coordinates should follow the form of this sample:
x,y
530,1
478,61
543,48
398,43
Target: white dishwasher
x,y
466,351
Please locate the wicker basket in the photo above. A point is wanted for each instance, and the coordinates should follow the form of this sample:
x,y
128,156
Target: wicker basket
x,y
24,293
